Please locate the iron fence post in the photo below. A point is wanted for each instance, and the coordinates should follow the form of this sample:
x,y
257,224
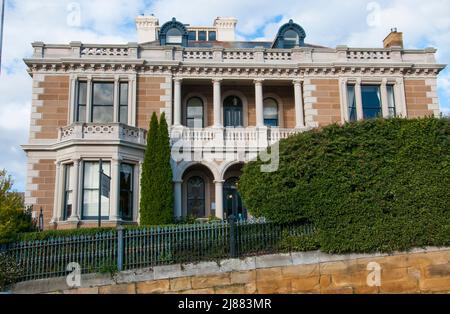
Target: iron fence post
x,y
232,237
120,248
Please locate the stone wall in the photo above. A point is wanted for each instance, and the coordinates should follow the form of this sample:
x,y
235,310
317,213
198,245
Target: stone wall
x,y
419,271
421,98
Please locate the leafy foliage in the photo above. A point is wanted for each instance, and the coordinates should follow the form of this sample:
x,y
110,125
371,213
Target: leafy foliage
x,y
156,181
13,218
376,185
10,271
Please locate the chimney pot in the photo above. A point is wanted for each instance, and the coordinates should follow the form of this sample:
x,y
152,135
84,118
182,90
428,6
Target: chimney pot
x,y
394,39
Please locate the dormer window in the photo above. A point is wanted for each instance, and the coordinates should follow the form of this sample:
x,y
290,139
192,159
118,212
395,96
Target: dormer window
x,y
174,36
289,36
173,33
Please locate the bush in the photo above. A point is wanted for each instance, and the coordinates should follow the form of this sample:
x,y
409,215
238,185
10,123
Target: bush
x,y
13,218
377,185
52,234
10,271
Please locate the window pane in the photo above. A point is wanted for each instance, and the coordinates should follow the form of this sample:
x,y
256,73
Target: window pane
x,y
192,35
81,114
123,94
123,114
82,93
103,94
196,197
102,114
291,39
270,109
126,191
371,101
174,36
68,191
90,190
391,101
202,35
212,36
194,113
351,99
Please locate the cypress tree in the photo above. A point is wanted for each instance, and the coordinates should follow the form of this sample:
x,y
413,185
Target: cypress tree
x,y
149,184
165,173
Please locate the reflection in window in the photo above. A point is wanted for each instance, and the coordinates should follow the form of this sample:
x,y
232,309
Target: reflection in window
x,y
212,36
91,190
123,103
174,36
196,197
391,101
202,35
126,192
81,102
68,191
194,113
371,101
192,35
351,103
270,112
232,109
103,102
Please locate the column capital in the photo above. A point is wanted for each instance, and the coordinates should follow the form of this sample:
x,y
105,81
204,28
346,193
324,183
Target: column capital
x,y
358,81
297,82
258,81
219,181
177,181
178,79
217,80
384,81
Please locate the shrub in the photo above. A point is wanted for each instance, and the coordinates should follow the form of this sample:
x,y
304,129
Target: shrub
x,y
13,218
10,271
376,185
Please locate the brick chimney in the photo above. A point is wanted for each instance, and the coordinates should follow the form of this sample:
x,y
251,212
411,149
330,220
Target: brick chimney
x,y
147,28
394,39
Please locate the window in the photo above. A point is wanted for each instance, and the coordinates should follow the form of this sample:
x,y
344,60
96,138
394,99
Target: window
x,y
232,112
391,101
81,102
196,197
194,113
174,36
91,190
212,36
202,35
192,35
103,102
351,103
126,192
123,103
270,112
371,101
68,191
291,39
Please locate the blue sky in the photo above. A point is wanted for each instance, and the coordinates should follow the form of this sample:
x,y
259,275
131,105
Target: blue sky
x,y
356,23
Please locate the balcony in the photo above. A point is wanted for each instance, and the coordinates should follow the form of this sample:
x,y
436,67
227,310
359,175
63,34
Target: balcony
x,y
95,132
251,138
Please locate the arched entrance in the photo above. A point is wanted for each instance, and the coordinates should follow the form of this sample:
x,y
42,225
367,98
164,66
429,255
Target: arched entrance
x,y
232,202
233,112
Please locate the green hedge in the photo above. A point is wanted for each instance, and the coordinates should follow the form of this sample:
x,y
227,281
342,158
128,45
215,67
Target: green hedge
x,y
377,185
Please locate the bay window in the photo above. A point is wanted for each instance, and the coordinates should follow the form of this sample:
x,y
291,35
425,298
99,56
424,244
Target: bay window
x,y
103,102
371,101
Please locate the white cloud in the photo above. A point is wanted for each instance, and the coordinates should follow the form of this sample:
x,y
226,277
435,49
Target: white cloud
x,y
326,22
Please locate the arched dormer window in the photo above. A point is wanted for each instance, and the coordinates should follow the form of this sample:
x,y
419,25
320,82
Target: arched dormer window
x,y
173,33
290,35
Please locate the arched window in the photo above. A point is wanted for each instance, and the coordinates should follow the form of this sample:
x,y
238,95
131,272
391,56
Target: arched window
x,y
232,112
174,36
271,112
194,113
291,39
196,197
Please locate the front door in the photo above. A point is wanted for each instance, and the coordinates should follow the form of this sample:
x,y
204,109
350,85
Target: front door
x,y
232,112
232,200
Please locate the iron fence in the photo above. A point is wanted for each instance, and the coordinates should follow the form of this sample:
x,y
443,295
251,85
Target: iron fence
x,y
124,249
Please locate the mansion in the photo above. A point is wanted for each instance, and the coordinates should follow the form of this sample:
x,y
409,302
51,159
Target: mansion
x,y
225,101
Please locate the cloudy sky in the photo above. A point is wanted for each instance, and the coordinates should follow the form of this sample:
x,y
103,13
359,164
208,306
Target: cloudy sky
x,y
356,23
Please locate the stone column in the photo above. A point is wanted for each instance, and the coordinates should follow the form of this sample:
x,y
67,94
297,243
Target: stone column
x,y
384,99
217,103
177,102
358,96
219,199
401,98
116,99
178,199
114,191
299,110
259,102
73,105
75,185
57,209
89,99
